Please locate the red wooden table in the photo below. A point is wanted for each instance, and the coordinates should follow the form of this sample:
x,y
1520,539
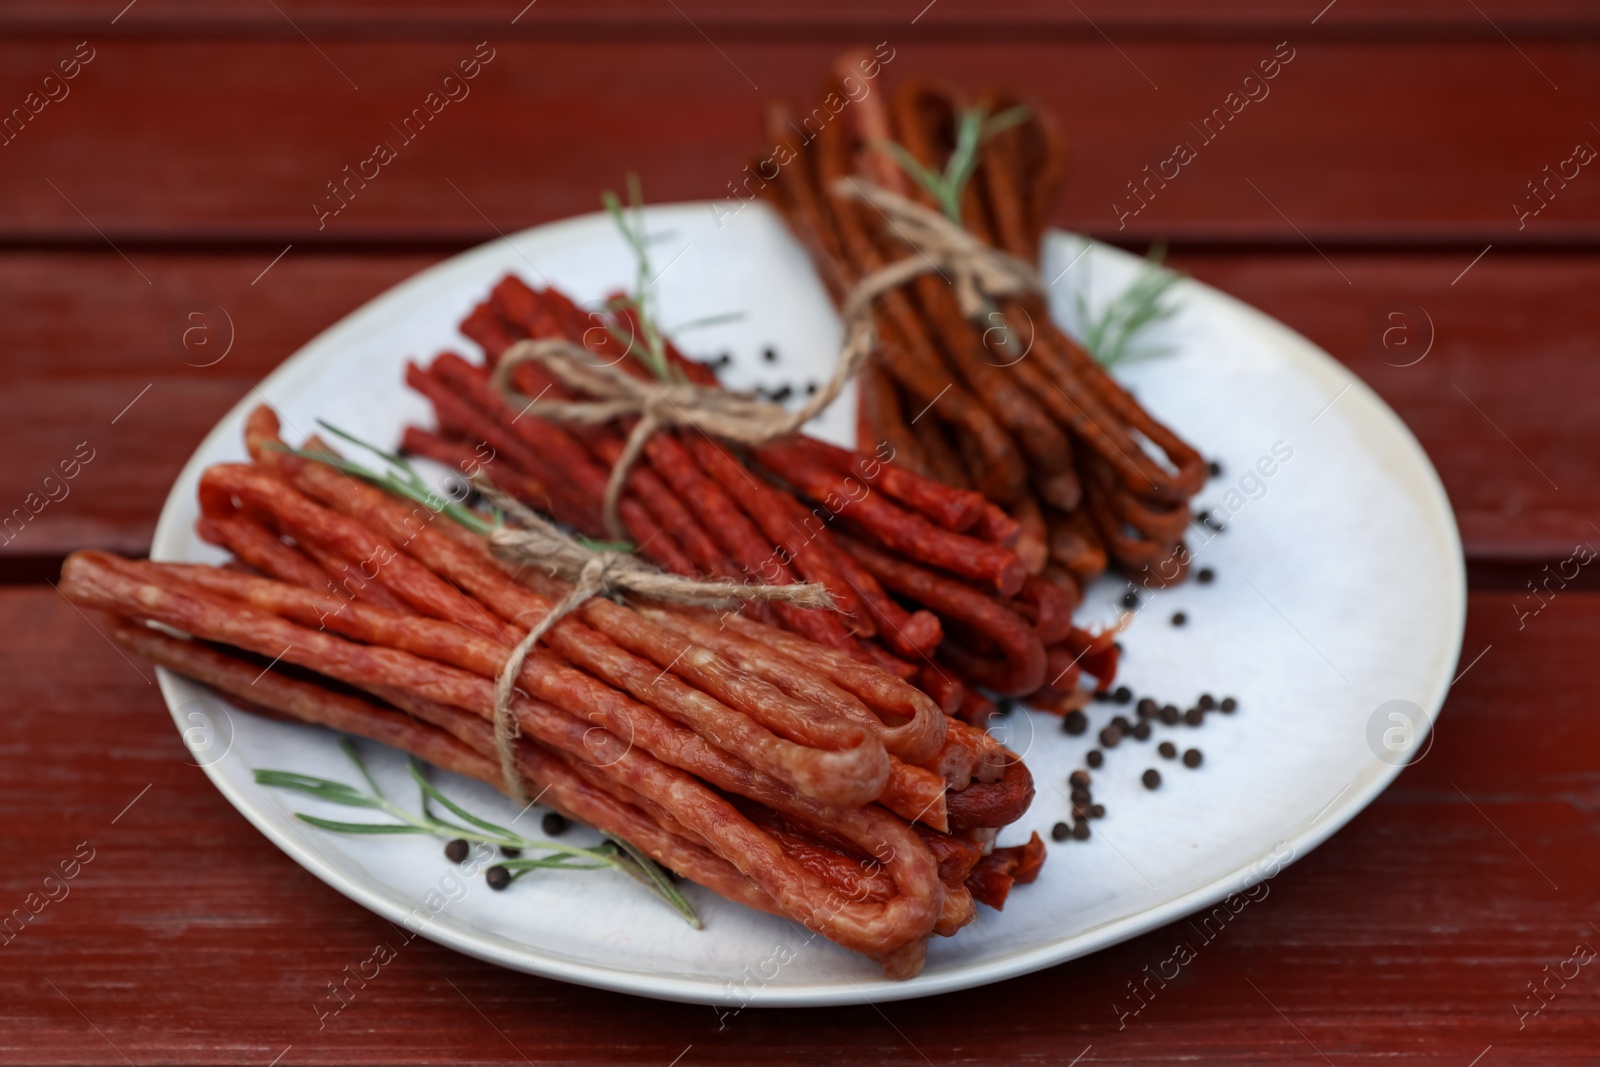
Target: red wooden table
x,y
169,184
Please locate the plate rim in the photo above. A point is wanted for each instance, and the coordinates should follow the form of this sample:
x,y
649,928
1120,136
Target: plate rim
x,y
529,959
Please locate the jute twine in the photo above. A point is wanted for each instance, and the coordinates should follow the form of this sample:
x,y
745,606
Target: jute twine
x,y
529,540
978,272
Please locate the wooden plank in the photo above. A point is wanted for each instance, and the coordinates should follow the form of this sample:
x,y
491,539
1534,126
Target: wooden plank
x,y
1355,143
1494,365
833,19
1408,938
1505,398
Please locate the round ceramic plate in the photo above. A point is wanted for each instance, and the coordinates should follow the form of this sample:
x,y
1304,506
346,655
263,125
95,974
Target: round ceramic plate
x,y
1335,619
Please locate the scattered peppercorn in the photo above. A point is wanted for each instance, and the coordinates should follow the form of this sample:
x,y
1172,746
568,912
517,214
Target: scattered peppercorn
x,y
1192,758
1079,779
770,355
497,877
1167,749
1082,798
1229,704
1097,811
1121,722
1075,723
1060,832
1123,695
1110,736
1005,705
1206,576
1080,831
509,852
1151,779
1141,732
1215,468
782,393
1207,701
1194,716
1148,709
1130,600
1179,618
1095,758
1102,696
1170,715
456,851
811,389
555,824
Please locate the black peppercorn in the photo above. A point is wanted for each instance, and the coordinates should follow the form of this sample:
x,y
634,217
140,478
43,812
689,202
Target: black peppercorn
x,y
1179,618
1130,600
1080,831
1170,715
1095,757
1060,832
1148,709
1076,722
1228,704
770,355
1141,732
1194,716
1192,758
1123,695
554,824
1079,779
497,877
1207,701
1206,576
1167,749
1151,779
1110,736
456,851
510,853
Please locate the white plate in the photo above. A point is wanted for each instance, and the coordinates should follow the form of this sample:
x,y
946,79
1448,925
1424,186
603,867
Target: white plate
x,y
1340,588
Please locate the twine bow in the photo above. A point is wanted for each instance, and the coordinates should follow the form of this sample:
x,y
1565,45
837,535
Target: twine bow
x,y
979,273
532,541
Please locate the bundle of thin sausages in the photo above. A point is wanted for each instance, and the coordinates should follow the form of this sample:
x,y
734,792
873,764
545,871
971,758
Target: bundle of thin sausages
x,y
927,577
779,773
1021,414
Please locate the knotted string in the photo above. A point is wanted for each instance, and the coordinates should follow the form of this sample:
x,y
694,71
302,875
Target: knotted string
x,y
532,541
978,271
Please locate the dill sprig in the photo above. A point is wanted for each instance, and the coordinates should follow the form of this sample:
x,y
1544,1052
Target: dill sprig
x,y
974,127
1110,336
613,854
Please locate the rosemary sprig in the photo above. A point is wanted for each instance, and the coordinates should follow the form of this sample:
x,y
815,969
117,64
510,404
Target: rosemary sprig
x,y
1110,336
613,854
642,301
404,481
974,127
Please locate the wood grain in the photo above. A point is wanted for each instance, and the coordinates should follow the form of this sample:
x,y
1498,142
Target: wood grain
x,y
1000,20
88,335
1412,142
1405,939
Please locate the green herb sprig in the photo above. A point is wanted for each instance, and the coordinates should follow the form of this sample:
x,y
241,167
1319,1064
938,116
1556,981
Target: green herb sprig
x,y
974,127
1110,336
641,303
404,481
614,854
